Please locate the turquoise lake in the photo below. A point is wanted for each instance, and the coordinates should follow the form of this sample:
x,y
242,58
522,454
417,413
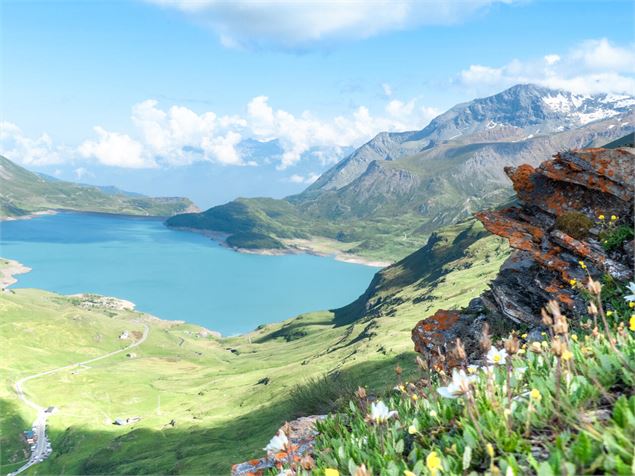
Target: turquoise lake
x,y
174,274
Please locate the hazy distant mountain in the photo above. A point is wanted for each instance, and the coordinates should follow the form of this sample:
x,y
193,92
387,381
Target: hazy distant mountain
x,y
23,192
386,197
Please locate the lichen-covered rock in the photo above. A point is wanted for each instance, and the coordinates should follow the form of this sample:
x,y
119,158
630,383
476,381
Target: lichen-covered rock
x,y
546,260
301,434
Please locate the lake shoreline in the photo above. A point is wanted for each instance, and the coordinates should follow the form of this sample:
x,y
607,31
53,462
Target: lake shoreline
x,y
292,249
10,268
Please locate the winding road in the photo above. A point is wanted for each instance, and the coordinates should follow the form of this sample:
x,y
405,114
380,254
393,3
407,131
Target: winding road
x,y
42,446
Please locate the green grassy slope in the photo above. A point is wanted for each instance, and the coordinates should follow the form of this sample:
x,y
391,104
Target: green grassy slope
x,y
209,386
23,192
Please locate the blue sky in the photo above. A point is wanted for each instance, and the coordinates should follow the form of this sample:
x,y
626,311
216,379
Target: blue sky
x,y
110,91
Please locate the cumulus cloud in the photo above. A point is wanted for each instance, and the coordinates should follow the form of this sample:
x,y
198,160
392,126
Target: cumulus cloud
x,y
31,151
115,149
291,24
177,135
592,66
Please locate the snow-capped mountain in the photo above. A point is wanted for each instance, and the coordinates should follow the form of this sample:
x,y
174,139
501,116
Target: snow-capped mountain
x,y
519,113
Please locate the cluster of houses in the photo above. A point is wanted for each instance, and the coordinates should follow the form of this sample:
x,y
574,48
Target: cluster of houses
x,y
30,437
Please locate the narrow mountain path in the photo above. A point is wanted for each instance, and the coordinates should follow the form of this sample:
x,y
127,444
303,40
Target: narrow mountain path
x,y
42,446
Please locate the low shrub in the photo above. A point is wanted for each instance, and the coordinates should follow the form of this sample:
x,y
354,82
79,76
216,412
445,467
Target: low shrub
x,y
574,224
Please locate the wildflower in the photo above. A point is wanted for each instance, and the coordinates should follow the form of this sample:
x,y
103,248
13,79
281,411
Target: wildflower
x,y
601,217
631,323
331,472
631,297
535,395
567,355
459,385
433,413
433,462
594,286
524,336
614,217
379,412
415,397
278,443
582,265
471,369
412,430
631,304
575,337
609,313
408,473
572,282
361,393
490,450
496,357
511,345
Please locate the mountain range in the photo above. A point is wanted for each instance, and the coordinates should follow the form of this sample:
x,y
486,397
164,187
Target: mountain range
x,y
385,198
23,192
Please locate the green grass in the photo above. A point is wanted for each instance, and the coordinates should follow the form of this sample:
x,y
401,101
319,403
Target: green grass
x,y
222,414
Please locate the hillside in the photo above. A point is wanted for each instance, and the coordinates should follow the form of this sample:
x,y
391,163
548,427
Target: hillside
x,y
23,192
384,200
226,396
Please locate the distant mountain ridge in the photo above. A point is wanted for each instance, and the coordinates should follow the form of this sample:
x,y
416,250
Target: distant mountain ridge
x,y
384,199
23,192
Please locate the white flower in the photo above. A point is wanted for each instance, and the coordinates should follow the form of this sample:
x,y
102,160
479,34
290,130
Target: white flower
x,y
278,443
631,288
379,412
459,385
496,357
519,372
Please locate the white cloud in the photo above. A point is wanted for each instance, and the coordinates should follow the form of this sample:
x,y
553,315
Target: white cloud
x,y
179,136
593,66
552,59
387,89
38,151
293,24
115,149
309,179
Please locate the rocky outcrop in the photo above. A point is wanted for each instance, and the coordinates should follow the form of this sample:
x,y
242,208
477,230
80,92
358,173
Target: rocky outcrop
x,y
547,262
301,434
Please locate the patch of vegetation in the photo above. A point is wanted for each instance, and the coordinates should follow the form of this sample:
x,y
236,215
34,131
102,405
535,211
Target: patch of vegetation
x,y
564,405
321,395
574,224
613,238
254,241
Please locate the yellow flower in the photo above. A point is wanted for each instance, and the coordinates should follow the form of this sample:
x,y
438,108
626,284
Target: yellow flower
x,y
408,473
575,337
609,313
331,472
572,282
631,304
567,355
490,450
524,336
614,217
433,462
433,413
402,388
412,430
582,265
521,351
544,334
415,397
631,323
601,217
535,395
